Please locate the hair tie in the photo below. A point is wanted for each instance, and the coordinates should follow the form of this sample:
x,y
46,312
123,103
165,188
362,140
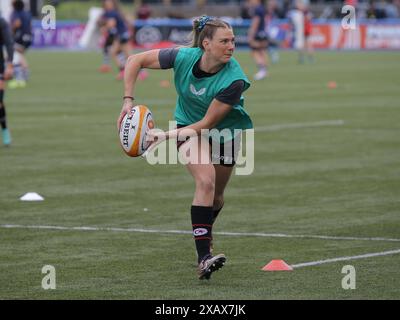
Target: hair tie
x,y
202,22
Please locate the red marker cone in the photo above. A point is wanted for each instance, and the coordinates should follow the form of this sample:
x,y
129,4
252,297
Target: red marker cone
x,y
277,265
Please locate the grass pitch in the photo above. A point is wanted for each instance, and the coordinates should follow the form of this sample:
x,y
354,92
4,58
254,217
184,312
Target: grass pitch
x,y
310,178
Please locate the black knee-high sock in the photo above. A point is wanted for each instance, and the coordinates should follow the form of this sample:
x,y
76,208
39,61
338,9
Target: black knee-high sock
x,y
202,229
3,122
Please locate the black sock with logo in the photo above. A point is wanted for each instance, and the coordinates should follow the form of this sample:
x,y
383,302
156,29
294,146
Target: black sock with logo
x,y
202,218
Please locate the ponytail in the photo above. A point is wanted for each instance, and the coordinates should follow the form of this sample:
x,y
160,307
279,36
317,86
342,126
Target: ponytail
x,y
205,27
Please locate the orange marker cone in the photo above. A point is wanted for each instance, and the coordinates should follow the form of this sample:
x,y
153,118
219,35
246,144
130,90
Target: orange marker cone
x,y
277,265
332,84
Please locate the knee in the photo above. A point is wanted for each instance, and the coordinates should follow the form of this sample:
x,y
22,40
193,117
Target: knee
x,y
205,184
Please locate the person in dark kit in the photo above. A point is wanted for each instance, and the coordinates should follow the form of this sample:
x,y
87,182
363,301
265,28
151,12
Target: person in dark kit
x,y
21,27
258,38
6,73
116,44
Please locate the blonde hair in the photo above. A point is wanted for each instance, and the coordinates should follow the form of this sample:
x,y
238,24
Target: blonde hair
x,y
205,27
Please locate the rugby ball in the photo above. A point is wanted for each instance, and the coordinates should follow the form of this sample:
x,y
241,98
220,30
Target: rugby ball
x,y
133,131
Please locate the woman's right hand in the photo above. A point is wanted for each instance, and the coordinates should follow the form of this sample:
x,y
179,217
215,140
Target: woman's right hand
x,y
126,109
8,73
154,137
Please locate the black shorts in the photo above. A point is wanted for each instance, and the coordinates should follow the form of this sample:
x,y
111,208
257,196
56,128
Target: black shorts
x,y
261,38
24,41
109,40
123,37
224,154
111,37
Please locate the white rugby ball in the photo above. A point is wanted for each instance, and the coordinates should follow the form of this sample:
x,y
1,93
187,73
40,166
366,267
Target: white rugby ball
x,y
134,127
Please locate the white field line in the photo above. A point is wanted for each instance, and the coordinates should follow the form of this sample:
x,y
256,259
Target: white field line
x,y
363,256
232,234
300,125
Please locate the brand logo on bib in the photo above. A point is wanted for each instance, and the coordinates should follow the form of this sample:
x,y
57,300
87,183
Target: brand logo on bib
x,y
195,92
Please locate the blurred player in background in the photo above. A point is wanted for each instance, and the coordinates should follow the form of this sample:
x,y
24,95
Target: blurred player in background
x,y
300,18
6,72
308,47
107,41
21,27
116,33
209,83
273,43
144,11
258,38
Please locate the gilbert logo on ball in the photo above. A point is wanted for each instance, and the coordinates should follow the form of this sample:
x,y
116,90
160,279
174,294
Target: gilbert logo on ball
x,y
134,127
